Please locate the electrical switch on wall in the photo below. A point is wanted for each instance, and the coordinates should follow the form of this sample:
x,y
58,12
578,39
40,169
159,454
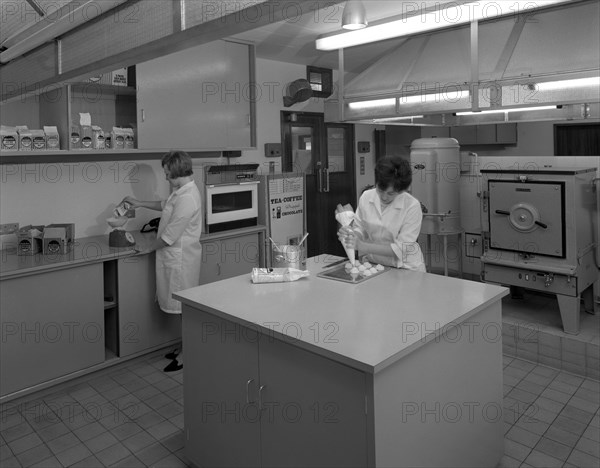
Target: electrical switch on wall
x,y
273,150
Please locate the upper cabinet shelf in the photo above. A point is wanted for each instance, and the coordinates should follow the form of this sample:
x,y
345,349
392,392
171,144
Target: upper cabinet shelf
x,y
200,100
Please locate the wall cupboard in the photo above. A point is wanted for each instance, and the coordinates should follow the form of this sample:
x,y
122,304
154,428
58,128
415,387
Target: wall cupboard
x,y
199,99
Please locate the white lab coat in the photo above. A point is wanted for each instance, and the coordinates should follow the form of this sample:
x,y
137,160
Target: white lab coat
x,y
399,225
178,264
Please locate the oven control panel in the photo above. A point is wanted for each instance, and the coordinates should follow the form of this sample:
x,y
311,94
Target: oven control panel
x,y
531,279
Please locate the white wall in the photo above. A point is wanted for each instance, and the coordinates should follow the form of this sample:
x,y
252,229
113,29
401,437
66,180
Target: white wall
x,y
272,78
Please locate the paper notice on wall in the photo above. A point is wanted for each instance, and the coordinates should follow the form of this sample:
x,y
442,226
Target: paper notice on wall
x,y
85,119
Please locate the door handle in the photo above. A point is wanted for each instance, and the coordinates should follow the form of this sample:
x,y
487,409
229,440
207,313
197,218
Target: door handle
x,y
319,178
326,171
260,390
248,401
143,115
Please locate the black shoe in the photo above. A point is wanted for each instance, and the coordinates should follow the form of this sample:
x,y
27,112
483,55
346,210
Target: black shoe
x,y
173,354
173,366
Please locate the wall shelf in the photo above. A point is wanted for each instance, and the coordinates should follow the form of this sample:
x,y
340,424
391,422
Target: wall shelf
x,y
63,156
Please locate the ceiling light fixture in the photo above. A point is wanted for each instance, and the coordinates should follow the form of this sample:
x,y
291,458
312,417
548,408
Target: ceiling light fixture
x,y
502,111
450,96
354,16
430,19
394,119
568,84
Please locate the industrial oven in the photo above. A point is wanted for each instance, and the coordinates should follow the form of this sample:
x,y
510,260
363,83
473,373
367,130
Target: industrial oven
x,y
539,233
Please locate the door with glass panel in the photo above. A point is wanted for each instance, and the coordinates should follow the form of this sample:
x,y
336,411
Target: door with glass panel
x,y
325,154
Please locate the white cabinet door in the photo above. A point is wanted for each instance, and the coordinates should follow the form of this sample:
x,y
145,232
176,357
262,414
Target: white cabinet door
x,y
142,324
195,99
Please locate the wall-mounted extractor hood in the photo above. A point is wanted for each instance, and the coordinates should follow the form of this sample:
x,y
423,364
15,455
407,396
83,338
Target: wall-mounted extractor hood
x,y
544,65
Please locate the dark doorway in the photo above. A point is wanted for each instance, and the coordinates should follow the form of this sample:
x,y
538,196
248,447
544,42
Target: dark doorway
x,y
325,154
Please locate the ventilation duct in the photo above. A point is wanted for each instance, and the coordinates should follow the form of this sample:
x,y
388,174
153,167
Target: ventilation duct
x,y
297,91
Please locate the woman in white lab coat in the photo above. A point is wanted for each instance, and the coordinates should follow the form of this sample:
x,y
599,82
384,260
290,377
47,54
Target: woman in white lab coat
x,y
177,244
388,219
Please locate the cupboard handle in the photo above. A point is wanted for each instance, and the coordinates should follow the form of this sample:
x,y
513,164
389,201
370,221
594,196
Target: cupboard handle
x,y
248,391
218,269
260,390
319,178
143,115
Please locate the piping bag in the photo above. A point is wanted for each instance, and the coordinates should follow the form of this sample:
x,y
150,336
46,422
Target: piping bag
x,y
345,216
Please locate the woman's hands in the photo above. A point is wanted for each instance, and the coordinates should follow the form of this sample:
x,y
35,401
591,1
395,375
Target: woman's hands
x,y
349,238
134,203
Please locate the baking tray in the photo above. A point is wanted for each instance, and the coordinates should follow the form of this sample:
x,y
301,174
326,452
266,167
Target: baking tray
x,y
339,273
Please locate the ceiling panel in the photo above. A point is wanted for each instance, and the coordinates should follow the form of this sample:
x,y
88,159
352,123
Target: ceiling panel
x,y
18,15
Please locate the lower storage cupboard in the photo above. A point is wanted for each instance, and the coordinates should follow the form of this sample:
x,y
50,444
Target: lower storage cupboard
x,y
142,325
52,326
259,401
230,255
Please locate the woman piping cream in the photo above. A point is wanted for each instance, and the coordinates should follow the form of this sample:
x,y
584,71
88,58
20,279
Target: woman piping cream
x,y
177,243
388,219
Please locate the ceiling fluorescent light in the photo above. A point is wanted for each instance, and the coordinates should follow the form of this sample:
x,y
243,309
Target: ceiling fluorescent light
x,y
372,104
568,84
429,20
354,16
450,96
394,119
502,111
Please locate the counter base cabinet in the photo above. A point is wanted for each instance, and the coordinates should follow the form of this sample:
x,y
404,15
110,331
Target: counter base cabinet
x,y
52,325
229,257
142,325
253,400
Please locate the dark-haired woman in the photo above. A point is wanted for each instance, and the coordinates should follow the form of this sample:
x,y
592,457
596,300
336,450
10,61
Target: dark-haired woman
x,y
388,219
177,243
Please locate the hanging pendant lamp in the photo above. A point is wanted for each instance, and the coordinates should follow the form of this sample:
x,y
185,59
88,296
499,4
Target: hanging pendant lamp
x,y
354,16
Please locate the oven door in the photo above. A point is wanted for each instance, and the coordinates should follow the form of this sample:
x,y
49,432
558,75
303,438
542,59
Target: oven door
x,y
229,203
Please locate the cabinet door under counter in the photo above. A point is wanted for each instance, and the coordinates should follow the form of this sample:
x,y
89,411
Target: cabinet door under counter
x,y
142,325
52,326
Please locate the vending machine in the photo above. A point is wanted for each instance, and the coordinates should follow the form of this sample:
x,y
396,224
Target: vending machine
x,y
282,209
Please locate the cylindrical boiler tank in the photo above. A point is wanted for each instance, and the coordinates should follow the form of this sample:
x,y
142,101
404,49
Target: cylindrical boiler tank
x,y
436,176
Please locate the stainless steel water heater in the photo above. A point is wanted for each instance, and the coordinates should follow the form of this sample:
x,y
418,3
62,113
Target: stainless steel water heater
x,y
436,177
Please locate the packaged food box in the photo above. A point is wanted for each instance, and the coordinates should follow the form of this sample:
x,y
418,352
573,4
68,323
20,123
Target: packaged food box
x,y
25,138
86,136
118,138
38,138
52,138
29,240
9,138
98,141
75,137
129,138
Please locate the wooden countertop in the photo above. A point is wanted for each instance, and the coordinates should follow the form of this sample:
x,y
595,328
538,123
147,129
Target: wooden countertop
x,y
88,250
367,326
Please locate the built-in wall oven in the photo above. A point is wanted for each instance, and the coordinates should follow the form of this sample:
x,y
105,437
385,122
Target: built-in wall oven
x,y
230,196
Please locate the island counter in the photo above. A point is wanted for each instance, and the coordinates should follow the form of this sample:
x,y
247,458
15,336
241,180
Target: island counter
x,y
404,369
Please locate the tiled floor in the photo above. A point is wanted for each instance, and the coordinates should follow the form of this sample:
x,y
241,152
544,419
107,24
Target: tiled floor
x,y
132,416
